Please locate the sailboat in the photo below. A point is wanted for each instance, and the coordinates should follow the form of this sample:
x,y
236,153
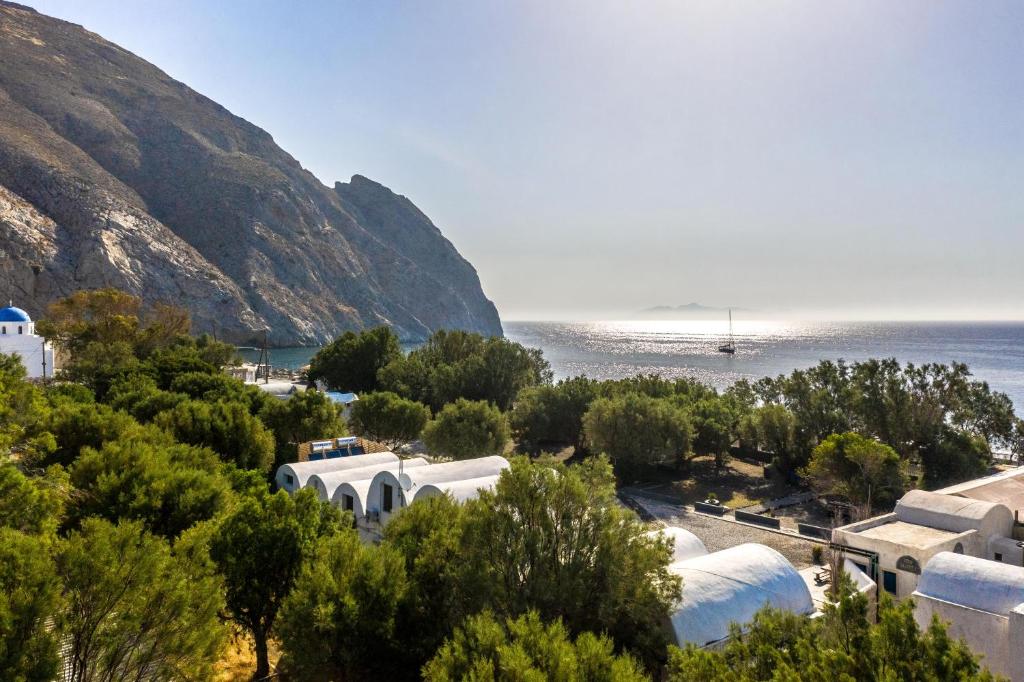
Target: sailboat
x,y
729,347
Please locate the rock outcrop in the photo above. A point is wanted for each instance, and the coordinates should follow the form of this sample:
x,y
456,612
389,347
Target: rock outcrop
x,y
114,174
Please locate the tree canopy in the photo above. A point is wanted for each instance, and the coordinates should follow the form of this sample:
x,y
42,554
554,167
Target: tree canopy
x,y
260,549
465,429
351,362
388,418
525,648
459,364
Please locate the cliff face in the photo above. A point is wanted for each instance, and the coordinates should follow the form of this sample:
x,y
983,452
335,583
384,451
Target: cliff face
x,y
114,174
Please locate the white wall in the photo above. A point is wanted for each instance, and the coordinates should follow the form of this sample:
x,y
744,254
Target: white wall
x,y
985,633
30,350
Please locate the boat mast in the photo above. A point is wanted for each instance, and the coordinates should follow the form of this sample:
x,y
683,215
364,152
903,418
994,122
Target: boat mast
x,y
732,344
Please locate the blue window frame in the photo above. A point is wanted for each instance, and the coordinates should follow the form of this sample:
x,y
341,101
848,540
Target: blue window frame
x,y
889,582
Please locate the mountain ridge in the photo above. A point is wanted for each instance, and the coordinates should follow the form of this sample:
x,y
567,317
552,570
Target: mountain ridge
x,y
149,186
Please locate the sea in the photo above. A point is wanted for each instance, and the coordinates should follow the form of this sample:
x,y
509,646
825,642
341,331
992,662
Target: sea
x,y
994,351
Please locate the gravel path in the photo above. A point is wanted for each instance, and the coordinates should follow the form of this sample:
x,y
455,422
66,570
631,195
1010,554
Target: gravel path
x,y
718,534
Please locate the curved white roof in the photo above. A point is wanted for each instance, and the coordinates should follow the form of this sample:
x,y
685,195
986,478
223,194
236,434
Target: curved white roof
x,y
685,545
952,513
358,491
730,587
460,491
972,582
327,482
301,471
435,473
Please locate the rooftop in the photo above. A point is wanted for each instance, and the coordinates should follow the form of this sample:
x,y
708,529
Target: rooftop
x,y
12,314
1005,488
910,534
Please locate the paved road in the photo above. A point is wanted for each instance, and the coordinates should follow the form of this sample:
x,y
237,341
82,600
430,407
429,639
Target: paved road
x,y
718,534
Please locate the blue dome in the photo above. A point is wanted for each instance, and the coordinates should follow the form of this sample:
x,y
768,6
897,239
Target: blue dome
x,y
12,314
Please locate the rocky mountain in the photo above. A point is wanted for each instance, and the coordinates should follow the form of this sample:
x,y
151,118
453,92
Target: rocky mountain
x,y
114,174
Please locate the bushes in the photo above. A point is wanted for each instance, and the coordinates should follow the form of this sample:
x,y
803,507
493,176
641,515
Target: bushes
x,y
466,429
637,431
226,427
527,648
388,418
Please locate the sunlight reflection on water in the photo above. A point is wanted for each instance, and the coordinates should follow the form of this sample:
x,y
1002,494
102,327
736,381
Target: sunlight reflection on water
x,y
603,350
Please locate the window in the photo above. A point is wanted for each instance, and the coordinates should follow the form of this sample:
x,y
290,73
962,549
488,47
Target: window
x,y
999,556
387,502
19,328
889,582
3,330
862,567
289,479
348,503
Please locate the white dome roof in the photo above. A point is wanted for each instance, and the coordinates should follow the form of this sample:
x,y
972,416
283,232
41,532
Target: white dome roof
x,y
972,582
953,513
685,545
730,587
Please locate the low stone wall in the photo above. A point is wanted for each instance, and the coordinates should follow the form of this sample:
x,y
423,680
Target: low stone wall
x,y
716,509
758,519
814,531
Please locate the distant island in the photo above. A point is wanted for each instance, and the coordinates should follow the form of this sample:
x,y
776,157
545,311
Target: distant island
x,y
689,311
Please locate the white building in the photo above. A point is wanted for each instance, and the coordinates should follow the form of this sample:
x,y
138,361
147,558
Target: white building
x,y
387,495
893,548
982,602
460,491
293,476
18,337
326,482
731,586
685,545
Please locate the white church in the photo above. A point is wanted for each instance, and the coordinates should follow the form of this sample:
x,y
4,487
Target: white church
x,y
18,337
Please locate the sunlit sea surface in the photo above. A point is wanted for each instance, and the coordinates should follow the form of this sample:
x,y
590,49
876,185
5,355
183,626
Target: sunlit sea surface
x,y
606,350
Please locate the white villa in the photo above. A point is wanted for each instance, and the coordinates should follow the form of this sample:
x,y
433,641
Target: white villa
x,y
959,554
18,337
376,486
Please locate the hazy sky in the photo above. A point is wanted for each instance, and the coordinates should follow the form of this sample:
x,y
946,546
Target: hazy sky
x,y
595,158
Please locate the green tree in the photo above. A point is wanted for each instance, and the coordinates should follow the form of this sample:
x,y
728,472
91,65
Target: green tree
x,y
34,504
713,425
78,425
217,386
387,418
459,364
29,597
863,470
23,415
556,540
553,414
637,431
135,610
139,396
169,488
260,550
466,429
841,645
776,431
428,536
340,617
226,427
305,416
525,648
954,456
351,362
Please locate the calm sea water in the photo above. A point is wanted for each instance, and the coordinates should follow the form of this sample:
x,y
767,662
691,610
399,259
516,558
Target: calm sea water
x,y
608,350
